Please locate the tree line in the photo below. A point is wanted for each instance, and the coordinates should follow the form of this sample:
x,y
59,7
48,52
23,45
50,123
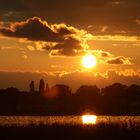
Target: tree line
x,y
115,99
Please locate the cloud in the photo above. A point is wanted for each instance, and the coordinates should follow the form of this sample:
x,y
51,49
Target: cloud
x,y
65,39
103,57
129,72
74,79
35,29
1,24
116,3
101,79
119,60
31,48
117,15
24,56
22,79
70,47
63,52
61,39
138,21
117,38
5,48
109,58
32,29
101,53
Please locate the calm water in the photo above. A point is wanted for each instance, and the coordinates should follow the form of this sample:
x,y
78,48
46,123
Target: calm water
x,y
62,120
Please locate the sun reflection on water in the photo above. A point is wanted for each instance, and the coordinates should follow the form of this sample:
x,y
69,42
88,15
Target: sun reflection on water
x,y
89,119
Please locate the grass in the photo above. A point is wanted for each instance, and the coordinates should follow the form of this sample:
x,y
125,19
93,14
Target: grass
x,y
100,131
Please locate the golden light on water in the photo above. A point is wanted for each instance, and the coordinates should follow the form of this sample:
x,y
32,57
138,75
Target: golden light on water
x,y
89,119
89,61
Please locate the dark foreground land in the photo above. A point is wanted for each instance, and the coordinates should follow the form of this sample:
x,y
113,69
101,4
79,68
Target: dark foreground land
x,y
69,132
116,99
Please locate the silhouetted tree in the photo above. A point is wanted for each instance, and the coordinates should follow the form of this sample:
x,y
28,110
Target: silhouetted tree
x,y
88,97
32,88
63,90
41,87
133,90
86,91
116,99
12,90
133,93
88,94
47,88
132,99
113,90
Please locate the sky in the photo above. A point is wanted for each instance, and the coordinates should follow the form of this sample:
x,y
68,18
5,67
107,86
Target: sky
x,y
48,39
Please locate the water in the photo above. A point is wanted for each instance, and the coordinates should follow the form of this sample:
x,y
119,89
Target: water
x,y
63,120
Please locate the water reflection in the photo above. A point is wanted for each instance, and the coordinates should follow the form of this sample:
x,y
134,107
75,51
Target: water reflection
x,y
89,119
66,120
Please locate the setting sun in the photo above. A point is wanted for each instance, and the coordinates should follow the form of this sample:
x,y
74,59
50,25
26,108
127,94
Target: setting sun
x,y
89,61
89,119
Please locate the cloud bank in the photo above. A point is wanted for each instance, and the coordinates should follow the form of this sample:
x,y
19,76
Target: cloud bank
x,y
21,80
65,39
59,39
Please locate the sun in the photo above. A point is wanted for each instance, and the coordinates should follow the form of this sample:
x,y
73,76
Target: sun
x,y
89,119
89,61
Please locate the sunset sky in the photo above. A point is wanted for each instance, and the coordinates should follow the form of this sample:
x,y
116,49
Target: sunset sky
x,y
48,39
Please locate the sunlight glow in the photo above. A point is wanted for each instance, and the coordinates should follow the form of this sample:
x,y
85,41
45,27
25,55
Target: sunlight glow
x,y
89,119
89,61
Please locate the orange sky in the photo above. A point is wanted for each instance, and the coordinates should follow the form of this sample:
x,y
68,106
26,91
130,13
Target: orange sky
x,y
51,41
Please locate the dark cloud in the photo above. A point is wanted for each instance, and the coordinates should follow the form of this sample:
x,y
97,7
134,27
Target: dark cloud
x,y
101,54
60,39
66,39
63,29
119,16
37,30
105,54
119,60
69,47
64,52
70,43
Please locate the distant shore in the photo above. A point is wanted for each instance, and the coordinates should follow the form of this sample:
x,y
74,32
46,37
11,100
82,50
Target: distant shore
x,y
115,100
